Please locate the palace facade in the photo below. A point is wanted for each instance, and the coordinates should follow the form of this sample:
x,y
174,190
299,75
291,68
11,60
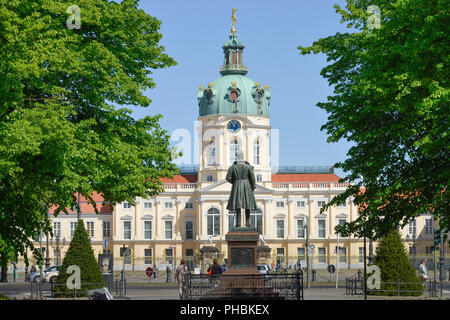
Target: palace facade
x,y
191,212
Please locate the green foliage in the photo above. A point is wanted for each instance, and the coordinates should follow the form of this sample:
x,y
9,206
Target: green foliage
x,y
394,265
391,100
59,131
80,254
3,297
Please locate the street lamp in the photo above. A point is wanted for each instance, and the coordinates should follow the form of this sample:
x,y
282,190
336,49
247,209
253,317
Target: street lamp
x,y
57,249
370,257
305,222
47,258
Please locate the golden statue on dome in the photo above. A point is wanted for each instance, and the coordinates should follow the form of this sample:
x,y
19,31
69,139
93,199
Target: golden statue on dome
x,y
233,30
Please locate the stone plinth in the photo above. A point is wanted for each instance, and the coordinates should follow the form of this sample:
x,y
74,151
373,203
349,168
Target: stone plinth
x,y
242,250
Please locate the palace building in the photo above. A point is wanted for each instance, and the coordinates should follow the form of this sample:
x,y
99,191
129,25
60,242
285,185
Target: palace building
x,y
234,114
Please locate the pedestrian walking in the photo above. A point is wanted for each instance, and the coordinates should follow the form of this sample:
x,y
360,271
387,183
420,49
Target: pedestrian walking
x,y
168,273
423,273
179,277
155,270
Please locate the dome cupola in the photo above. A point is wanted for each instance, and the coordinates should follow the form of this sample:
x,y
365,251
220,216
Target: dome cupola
x,y
233,92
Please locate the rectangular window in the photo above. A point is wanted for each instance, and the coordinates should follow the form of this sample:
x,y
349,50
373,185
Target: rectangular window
x,y
57,229
301,254
168,205
126,205
342,205
300,228
209,177
342,254
321,228
73,226
189,205
168,230
169,255
90,228
106,229
428,226
412,228
213,224
280,229
148,205
147,230
361,255
300,204
412,250
148,256
127,230
341,222
259,177
322,255
320,204
127,252
189,229
280,256
280,204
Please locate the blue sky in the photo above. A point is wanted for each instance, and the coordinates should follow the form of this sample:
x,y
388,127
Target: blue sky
x,y
193,34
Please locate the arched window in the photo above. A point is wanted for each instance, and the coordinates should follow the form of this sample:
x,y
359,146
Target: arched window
x,y
234,148
212,153
213,222
256,148
255,219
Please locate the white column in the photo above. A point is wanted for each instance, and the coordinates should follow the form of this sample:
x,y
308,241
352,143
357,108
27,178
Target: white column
x,y
224,218
289,219
157,208
179,207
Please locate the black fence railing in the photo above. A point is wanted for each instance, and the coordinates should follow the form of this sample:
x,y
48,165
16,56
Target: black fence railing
x,y
355,286
286,286
41,290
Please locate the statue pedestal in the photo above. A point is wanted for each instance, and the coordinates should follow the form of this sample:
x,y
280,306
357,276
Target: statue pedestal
x,y
242,276
242,250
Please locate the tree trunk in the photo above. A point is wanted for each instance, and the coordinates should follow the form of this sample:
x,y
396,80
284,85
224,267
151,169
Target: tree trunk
x,y
4,273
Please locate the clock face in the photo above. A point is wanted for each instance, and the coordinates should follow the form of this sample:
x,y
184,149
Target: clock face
x,y
234,126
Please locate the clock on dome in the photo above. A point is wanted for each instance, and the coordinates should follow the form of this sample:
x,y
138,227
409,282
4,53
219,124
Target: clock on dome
x,y
234,126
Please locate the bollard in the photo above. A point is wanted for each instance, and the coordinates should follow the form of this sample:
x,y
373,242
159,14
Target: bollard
x,y
314,275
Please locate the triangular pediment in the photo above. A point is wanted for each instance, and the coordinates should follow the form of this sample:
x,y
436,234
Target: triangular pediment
x,y
225,186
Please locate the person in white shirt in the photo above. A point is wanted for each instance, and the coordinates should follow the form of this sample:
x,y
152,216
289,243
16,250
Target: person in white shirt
x,y
423,273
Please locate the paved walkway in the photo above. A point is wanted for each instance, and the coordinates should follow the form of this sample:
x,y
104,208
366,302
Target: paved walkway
x,y
162,291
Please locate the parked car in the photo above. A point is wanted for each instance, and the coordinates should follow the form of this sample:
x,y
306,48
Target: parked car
x,y
49,275
263,268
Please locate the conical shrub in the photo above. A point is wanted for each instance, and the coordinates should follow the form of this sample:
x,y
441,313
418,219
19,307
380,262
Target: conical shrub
x,y
394,265
80,254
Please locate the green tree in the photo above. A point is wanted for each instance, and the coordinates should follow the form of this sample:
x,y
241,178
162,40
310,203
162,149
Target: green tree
x,y
391,100
60,131
79,254
394,265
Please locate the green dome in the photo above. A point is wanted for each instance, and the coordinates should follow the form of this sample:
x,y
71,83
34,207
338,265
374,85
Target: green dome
x,y
233,93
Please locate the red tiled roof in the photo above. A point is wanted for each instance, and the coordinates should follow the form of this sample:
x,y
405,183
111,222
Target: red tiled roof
x,y
305,177
178,178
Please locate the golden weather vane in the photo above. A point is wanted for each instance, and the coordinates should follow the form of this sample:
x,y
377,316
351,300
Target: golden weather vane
x,y
233,30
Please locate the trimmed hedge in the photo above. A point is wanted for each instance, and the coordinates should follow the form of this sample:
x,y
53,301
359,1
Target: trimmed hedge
x,y
394,265
80,253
